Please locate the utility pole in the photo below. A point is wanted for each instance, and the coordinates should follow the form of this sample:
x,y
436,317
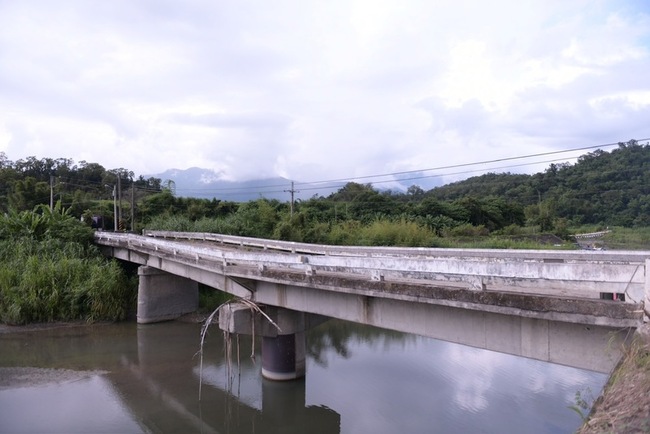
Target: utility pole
x,y
119,198
132,206
115,206
51,193
292,191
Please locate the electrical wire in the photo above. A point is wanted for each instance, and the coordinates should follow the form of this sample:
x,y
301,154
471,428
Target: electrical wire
x,y
342,181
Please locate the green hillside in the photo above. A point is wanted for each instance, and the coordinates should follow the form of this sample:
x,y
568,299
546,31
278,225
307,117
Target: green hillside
x,y
610,188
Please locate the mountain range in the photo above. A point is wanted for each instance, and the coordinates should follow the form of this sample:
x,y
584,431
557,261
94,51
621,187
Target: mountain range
x,y
208,184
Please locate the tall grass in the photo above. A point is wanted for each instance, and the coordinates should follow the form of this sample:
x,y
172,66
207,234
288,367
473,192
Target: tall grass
x,y
38,284
229,225
51,271
383,232
628,238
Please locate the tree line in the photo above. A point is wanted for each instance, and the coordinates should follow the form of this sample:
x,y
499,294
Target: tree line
x,y
50,269
601,188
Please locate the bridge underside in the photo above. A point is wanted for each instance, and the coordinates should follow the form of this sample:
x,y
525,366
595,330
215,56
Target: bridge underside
x,y
592,347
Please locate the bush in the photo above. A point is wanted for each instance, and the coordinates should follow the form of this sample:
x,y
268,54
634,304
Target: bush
x,y
51,271
41,282
467,230
396,233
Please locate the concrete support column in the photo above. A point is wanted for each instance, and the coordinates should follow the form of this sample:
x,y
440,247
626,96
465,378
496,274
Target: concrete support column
x,y
163,296
283,356
283,347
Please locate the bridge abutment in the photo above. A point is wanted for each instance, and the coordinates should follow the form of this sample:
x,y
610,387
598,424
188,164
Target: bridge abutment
x,y
163,296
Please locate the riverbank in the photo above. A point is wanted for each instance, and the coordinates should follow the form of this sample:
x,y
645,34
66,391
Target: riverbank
x,y
624,405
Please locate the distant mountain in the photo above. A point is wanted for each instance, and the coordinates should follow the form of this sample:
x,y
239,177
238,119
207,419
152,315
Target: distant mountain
x,y
208,184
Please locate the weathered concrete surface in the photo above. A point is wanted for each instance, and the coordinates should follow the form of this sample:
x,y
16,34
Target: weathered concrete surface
x,y
592,347
587,311
574,274
163,296
454,296
242,280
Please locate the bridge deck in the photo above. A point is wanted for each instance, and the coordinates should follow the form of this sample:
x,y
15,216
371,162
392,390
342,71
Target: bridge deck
x,y
537,284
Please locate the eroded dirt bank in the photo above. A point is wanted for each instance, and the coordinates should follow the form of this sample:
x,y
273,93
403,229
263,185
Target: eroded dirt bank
x,y
624,406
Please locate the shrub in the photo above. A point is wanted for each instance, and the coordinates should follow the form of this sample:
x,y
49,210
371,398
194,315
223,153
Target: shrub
x,y
51,271
396,233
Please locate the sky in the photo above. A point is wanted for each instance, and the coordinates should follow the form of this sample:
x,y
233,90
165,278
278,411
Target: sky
x,y
321,90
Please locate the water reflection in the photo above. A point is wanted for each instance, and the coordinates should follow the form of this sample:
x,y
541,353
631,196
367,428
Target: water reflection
x,y
359,379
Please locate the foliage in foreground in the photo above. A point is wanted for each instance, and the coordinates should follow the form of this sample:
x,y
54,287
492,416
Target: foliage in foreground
x,y
50,271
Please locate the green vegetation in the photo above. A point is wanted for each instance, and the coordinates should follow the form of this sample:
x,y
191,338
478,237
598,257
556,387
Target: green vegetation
x,y
85,189
602,189
51,271
210,298
628,238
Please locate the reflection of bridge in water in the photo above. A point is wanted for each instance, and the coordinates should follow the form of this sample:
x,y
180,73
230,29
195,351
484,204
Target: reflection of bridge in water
x,y
546,305
163,405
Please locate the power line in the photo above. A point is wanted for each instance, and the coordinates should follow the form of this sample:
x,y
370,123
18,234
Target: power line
x,y
337,183
263,189
498,160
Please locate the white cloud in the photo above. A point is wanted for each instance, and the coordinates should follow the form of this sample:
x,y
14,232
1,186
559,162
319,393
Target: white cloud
x,y
313,90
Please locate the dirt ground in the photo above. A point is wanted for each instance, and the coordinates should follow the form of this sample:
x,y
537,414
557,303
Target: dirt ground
x,y
624,406
13,378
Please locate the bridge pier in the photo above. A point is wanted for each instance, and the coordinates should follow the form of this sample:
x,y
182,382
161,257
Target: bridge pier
x,y
283,356
163,296
283,347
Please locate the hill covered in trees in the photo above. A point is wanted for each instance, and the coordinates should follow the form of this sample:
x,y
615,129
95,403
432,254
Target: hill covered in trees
x,y
611,188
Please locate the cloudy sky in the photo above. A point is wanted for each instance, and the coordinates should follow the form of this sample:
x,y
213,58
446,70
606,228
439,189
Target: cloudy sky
x,y
320,90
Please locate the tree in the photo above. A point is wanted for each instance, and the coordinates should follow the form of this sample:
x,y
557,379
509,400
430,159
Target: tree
x,y
415,193
27,193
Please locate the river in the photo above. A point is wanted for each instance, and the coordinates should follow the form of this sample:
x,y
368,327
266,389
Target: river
x,y
130,378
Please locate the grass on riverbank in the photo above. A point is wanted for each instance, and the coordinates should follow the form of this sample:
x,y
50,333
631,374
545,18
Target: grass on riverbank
x,y
624,405
45,281
51,271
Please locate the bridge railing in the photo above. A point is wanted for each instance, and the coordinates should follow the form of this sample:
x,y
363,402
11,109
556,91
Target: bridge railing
x,y
574,274
366,251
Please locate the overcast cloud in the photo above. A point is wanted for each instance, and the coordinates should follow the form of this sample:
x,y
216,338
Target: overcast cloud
x,y
315,90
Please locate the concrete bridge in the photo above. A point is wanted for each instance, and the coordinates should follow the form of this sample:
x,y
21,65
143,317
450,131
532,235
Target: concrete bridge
x,y
569,307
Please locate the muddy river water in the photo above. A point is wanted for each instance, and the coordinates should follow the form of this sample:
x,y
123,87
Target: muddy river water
x,y
130,378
